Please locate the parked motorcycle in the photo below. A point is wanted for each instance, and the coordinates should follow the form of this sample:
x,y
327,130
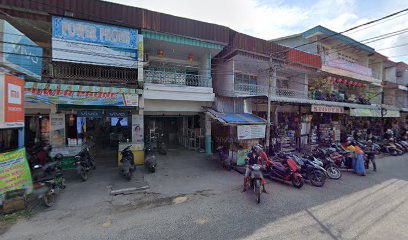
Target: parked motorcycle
x,y
389,147
325,157
256,181
127,161
150,159
223,157
48,181
286,169
311,171
84,162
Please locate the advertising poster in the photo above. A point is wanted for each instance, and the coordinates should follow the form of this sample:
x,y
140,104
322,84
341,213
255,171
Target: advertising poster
x,y
251,131
57,127
137,129
93,43
11,101
14,172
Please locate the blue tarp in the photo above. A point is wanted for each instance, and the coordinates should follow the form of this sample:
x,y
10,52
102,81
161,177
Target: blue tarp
x,y
243,118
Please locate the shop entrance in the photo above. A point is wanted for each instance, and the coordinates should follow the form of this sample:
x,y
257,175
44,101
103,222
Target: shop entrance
x,y
176,131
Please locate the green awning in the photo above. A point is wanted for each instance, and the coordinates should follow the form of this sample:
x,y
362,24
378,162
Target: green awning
x,y
363,112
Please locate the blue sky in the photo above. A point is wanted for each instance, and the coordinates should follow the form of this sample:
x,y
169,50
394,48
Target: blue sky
x,y
269,19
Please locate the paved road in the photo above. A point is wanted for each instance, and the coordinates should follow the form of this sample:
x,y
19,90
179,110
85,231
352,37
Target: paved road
x,y
371,207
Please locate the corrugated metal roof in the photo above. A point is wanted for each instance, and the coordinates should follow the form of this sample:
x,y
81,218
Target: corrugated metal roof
x,y
236,118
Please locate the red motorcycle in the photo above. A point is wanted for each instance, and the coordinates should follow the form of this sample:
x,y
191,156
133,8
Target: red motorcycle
x,y
285,169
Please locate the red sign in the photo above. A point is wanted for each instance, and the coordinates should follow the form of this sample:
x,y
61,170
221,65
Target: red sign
x,y
12,89
327,109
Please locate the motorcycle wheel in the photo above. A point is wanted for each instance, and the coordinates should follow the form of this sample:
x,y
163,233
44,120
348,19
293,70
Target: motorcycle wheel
x,y
49,198
258,191
317,178
297,182
83,174
333,172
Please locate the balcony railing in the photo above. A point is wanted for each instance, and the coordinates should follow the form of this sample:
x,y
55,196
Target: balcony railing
x,y
334,61
176,79
261,90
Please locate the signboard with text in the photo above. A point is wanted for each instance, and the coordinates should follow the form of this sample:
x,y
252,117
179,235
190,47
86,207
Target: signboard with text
x,y
77,98
327,109
251,131
14,172
93,43
11,101
19,52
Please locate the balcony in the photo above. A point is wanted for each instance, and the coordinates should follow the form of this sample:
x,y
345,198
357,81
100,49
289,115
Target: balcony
x,y
261,90
169,78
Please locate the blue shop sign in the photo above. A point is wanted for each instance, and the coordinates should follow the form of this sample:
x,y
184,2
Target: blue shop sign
x,y
21,53
93,43
90,114
116,114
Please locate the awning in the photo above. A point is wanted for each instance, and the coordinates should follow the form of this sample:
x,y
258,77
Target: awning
x,y
65,94
236,118
361,112
325,103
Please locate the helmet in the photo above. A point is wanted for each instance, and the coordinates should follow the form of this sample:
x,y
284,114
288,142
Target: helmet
x,y
389,131
258,148
369,142
349,139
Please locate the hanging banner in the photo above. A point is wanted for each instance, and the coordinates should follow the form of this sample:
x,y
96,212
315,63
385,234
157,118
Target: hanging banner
x,y
78,98
93,43
57,129
11,101
327,109
137,128
14,172
251,131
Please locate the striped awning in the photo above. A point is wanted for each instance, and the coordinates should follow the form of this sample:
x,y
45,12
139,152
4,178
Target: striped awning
x,y
80,88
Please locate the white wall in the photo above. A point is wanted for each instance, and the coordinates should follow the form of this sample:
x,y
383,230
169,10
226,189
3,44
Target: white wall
x,y
390,74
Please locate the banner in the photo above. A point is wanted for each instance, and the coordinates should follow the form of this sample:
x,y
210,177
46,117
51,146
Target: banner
x,y
93,43
251,131
57,129
11,101
327,109
19,52
137,129
78,98
14,172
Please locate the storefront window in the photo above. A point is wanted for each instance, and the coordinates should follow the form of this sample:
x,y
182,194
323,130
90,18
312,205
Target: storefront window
x,y
8,139
36,129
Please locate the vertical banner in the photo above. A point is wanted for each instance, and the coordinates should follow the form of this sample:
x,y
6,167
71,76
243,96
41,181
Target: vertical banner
x,y
137,129
57,129
14,172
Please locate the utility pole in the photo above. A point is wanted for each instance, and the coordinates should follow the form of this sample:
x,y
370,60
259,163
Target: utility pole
x,y
271,89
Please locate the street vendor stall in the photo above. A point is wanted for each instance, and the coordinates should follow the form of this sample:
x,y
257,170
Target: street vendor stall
x,y
238,132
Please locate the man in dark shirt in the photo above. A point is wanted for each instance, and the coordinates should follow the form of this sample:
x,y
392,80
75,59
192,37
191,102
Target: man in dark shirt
x,y
251,159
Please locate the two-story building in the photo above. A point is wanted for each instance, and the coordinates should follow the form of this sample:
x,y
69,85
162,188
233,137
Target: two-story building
x,y
349,83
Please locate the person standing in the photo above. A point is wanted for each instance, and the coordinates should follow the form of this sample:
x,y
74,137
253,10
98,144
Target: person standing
x,y
370,155
359,161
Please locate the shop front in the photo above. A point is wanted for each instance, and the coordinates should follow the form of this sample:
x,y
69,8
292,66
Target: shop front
x,y
106,118
326,125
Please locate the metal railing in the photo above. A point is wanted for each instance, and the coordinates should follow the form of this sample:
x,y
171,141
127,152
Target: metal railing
x,y
261,90
175,78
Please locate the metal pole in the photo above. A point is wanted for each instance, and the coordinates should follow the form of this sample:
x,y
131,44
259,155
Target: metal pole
x,y
272,83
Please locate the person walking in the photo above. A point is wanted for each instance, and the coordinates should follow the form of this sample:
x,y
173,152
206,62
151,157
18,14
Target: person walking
x,y
370,151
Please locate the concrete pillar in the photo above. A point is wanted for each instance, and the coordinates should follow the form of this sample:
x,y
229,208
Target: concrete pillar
x,y
208,147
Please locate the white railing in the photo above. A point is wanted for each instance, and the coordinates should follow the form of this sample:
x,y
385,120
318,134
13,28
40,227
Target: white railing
x,y
334,61
261,90
175,78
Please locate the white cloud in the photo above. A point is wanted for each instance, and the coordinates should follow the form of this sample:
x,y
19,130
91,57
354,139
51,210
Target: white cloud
x,y
277,18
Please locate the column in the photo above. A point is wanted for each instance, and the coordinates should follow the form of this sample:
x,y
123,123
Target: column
x,y
20,137
208,146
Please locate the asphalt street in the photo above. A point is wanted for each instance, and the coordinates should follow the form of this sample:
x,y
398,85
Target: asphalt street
x,y
354,207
